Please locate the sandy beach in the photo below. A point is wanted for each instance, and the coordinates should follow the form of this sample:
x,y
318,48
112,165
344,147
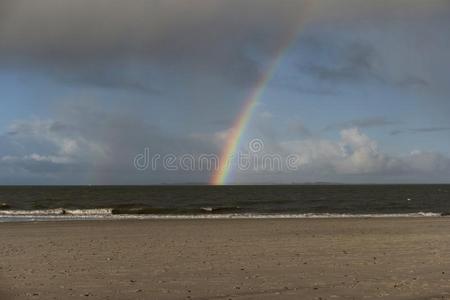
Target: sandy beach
x,y
390,258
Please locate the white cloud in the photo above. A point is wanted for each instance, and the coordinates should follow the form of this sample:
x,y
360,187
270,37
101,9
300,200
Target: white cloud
x,y
97,144
426,161
68,143
355,153
37,158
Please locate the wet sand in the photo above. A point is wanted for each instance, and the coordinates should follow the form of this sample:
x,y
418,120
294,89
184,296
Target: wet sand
x,y
389,258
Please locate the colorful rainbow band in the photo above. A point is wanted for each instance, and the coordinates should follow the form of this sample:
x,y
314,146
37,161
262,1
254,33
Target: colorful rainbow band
x,y
221,175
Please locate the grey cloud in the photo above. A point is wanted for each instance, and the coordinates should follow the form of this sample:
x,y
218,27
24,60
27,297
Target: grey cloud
x,y
294,84
427,162
35,163
420,130
110,78
356,61
413,81
362,123
299,128
353,61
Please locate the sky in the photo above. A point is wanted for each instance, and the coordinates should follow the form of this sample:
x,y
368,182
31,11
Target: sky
x,y
359,94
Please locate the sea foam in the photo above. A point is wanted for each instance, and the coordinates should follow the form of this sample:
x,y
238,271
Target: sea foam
x,y
61,214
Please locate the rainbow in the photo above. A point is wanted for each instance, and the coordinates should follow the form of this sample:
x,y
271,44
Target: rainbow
x,y
234,137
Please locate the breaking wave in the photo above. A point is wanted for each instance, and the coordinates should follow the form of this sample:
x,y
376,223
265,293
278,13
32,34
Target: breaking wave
x,y
62,214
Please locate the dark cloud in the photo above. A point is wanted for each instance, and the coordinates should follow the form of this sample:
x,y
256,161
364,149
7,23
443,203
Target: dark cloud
x,y
88,38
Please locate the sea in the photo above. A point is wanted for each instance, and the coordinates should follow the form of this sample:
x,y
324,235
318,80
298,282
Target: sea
x,y
61,203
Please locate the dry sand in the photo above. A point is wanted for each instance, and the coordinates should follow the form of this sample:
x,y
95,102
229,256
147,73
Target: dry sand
x,y
403,258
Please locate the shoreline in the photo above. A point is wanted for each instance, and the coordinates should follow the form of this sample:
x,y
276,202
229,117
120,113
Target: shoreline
x,y
83,215
344,258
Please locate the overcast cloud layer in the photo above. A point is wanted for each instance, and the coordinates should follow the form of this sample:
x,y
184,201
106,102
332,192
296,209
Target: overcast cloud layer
x,y
87,36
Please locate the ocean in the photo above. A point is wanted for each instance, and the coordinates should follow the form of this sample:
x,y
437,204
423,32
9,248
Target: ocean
x,y
36,203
